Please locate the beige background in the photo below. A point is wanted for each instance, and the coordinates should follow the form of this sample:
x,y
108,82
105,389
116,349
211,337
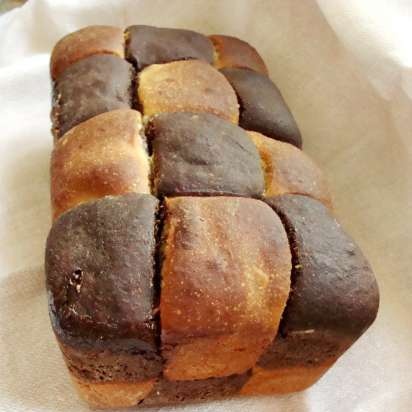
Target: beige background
x,y
345,70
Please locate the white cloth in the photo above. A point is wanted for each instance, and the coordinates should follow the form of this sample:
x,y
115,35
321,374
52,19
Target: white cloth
x,y
345,70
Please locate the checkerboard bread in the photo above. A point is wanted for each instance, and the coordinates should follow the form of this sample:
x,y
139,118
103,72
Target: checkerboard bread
x,y
193,254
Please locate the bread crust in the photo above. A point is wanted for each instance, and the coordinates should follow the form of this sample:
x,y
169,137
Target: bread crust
x,y
279,381
110,395
158,301
105,155
233,52
99,296
90,86
201,154
214,247
84,43
146,45
334,296
289,170
262,107
186,86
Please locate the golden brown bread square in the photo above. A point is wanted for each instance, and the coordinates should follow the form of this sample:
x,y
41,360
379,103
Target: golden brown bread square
x,y
225,281
105,155
186,86
102,395
83,43
233,52
289,170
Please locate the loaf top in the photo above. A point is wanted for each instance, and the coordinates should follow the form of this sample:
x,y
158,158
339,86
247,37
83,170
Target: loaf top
x,y
99,267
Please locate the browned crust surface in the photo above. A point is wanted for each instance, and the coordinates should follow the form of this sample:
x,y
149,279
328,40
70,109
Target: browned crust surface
x,y
91,86
98,365
233,52
201,154
215,248
146,45
226,262
262,107
283,380
186,86
289,170
167,392
104,155
83,43
343,296
113,394
334,296
100,273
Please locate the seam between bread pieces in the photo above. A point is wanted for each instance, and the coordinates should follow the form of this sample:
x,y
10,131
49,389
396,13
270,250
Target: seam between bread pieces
x,y
295,271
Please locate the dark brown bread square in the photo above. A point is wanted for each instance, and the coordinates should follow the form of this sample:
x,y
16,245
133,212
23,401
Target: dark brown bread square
x,y
99,271
262,108
167,392
91,86
201,154
334,296
146,45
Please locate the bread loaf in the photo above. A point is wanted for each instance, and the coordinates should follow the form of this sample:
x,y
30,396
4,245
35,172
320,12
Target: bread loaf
x,y
193,254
